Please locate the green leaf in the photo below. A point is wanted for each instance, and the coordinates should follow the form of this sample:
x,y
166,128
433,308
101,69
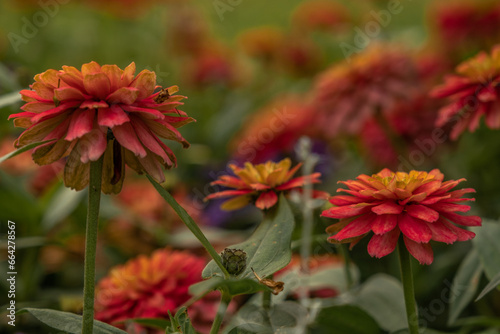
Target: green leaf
x,y
344,319
68,322
495,282
22,150
488,247
381,296
190,223
483,321
233,286
149,322
268,248
62,203
464,285
180,323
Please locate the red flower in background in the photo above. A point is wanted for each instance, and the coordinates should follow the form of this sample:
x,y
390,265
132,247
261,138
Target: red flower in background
x,y
419,205
273,130
101,111
261,184
473,92
462,27
348,94
149,287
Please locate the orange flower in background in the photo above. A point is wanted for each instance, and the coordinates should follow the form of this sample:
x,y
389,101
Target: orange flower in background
x,y
474,92
323,15
419,205
262,42
261,184
347,94
101,111
150,286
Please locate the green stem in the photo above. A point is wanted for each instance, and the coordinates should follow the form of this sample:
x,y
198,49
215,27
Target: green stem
x,y
266,299
407,280
91,245
224,302
347,264
190,223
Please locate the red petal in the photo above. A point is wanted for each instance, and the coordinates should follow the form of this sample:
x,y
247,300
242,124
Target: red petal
x,y
382,245
112,116
441,233
82,122
148,139
63,107
300,181
420,251
92,146
414,229
145,112
126,136
230,181
266,200
357,227
227,193
462,234
345,200
462,220
346,211
428,188
384,223
125,95
388,207
97,84
422,212
450,207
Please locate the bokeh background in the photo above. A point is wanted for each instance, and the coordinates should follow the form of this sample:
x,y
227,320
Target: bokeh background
x,y
258,76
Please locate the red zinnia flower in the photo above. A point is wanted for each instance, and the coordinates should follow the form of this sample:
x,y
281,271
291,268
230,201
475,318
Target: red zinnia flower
x,y
260,183
418,204
346,95
101,111
475,90
149,287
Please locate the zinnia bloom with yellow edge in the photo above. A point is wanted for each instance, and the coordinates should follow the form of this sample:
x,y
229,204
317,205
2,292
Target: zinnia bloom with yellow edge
x,y
474,92
261,184
418,205
101,110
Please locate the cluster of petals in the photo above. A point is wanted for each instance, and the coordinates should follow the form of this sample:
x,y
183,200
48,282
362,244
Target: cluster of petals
x,y
260,184
473,92
150,287
101,111
418,205
348,94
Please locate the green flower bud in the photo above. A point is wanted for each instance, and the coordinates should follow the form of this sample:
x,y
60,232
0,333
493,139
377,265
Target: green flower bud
x,y
234,260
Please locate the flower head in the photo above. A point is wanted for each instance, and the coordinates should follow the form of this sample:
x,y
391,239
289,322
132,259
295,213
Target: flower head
x,y
419,205
101,110
346,95
323,15
260,183
473,92
148,287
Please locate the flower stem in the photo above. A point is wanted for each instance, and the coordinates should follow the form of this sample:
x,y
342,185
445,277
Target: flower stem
x,y
190,223
91,245
407,280
224,302
347,265
266,299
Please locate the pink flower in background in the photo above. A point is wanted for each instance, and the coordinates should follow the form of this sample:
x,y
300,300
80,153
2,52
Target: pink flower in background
x,y
472,93
418,205
371,82
101,111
